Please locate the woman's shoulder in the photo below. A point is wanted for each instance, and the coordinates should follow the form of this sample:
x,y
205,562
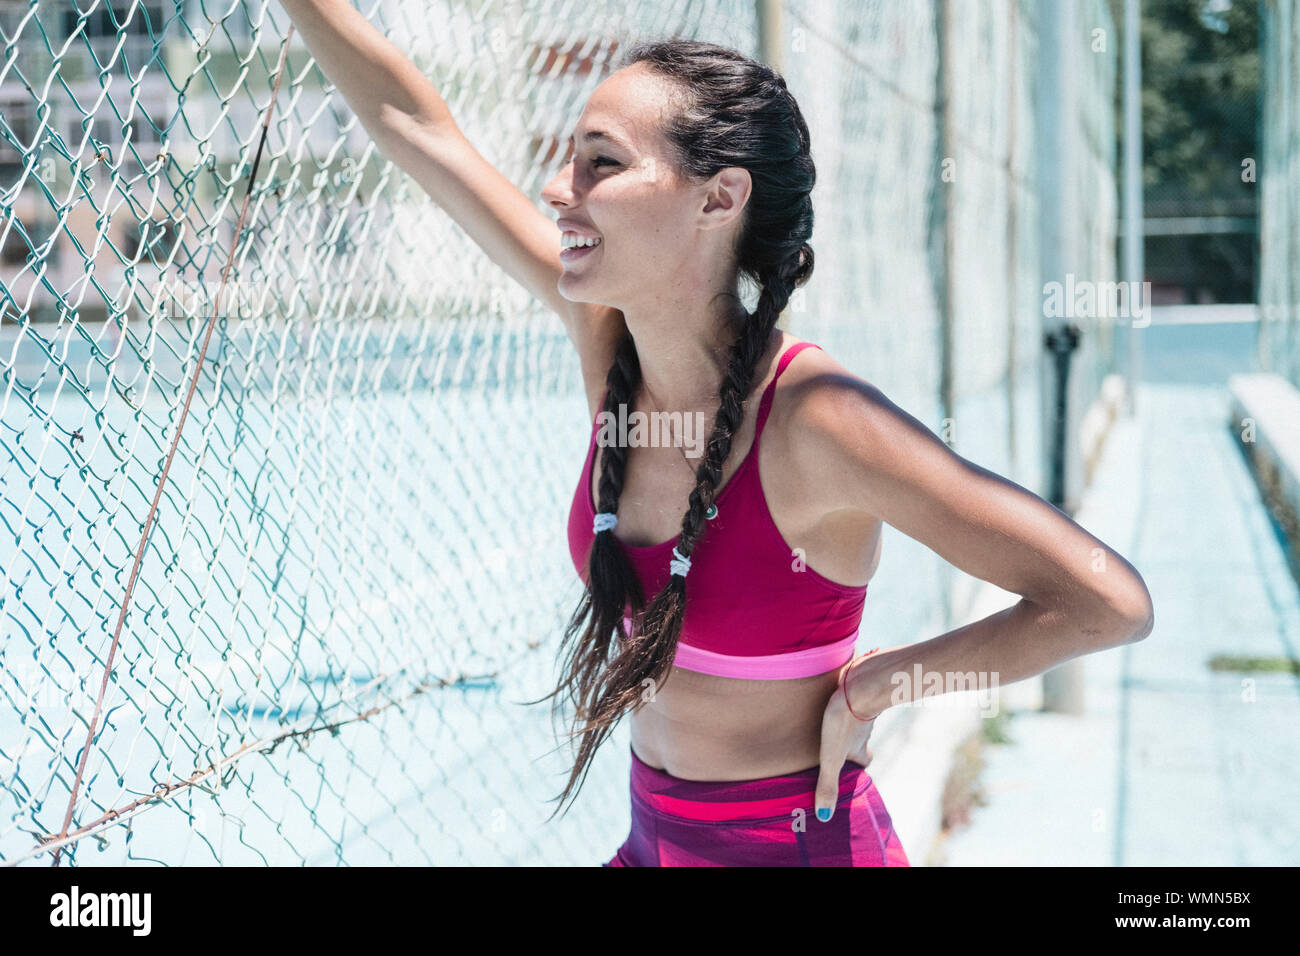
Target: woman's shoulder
x,y
817,408
815,384
822,414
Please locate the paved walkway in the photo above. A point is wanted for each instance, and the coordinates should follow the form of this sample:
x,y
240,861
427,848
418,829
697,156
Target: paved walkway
x,y
1173,764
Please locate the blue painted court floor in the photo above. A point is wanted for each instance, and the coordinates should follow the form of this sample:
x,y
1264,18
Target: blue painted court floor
x,y
1173,764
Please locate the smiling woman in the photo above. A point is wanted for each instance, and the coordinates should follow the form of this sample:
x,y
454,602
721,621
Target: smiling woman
x,y
690,174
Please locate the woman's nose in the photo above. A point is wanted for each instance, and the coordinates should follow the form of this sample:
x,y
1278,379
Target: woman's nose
x,y
559,191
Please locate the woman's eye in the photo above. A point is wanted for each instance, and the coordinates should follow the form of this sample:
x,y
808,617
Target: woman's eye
x,y
605,160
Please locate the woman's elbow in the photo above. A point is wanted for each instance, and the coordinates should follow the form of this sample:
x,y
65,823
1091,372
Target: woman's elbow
x,y
1130,612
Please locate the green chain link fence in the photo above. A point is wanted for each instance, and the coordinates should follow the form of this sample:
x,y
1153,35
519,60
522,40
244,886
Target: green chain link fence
x,y
1279,184
358,565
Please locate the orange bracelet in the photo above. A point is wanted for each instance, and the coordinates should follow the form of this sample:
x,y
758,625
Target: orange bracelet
x,y
845,680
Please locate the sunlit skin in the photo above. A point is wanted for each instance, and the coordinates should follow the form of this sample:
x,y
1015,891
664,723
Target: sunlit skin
x,y
664,253
837,459
665,250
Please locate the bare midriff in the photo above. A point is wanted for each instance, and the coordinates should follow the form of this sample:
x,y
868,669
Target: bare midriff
x,y
702,727
705,727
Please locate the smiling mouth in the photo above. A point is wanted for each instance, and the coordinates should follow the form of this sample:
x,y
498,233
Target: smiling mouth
x,y
572,240
575,252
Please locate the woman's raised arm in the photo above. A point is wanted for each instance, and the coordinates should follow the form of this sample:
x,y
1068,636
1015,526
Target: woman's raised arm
x,y
411,125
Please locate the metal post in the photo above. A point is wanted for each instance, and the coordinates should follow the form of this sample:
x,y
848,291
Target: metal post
x,y
1061,343
1133,226
771,50
771,30
1013,200
1063,685
942,210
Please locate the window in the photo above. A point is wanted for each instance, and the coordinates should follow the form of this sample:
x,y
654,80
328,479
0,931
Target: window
x,y
106,23
105,127
160,234
16,249
103,23
20,115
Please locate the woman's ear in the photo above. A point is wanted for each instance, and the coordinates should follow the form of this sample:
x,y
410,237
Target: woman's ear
x,y
725,197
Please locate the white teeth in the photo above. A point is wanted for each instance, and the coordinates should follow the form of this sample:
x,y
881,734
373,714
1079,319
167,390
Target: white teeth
x,y
570,240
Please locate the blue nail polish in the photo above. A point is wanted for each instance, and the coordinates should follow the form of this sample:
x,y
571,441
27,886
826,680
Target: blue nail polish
x,y
824,814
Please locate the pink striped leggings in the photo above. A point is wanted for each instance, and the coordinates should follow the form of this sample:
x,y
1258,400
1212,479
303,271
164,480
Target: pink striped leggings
x,y
766,822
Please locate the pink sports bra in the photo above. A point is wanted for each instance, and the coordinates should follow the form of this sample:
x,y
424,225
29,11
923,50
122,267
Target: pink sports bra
x,y
753,609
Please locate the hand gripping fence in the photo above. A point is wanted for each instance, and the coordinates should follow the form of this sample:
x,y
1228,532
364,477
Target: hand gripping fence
x,y
286,460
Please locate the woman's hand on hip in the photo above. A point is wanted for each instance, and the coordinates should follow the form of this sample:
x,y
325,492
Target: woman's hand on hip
x,y
844,737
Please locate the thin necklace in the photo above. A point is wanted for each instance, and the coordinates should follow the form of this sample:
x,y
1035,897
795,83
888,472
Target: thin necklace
x,y
712,511
659,408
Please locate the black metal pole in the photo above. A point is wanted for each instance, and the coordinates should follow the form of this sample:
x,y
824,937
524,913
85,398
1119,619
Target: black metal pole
x,y
1061,342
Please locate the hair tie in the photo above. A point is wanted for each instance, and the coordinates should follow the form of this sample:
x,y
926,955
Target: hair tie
x,y
604,521
680,563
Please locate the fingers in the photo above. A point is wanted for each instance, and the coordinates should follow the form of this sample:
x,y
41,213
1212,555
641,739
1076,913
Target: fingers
x,y
833,751
828,790
863,754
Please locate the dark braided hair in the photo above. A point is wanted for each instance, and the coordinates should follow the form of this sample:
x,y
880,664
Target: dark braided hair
x,y
731,111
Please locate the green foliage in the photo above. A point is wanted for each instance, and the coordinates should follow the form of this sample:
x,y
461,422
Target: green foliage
x,y
1200,90
1241,662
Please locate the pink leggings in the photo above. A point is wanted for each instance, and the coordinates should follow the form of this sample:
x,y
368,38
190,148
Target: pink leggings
x,y
766,822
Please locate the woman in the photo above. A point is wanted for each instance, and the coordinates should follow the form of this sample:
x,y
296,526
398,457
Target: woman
x,y
691,172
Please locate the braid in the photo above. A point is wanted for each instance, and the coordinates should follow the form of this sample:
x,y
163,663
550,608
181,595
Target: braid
x,y
612,583
736,113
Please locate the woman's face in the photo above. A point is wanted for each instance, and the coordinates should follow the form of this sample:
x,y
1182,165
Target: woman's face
x,y
620,186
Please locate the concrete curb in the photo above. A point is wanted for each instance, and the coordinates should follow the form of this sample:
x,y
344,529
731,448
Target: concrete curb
x,y
1265,416
1097,422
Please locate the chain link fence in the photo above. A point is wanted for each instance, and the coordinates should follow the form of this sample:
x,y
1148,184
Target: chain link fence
x,y
357,566
1279,184
933,133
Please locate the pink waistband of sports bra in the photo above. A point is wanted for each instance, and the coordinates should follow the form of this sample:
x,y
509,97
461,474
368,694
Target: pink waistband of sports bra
x,y
805,663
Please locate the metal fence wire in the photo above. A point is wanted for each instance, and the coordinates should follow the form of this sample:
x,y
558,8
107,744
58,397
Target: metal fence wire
x,y
357,566
1279,185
